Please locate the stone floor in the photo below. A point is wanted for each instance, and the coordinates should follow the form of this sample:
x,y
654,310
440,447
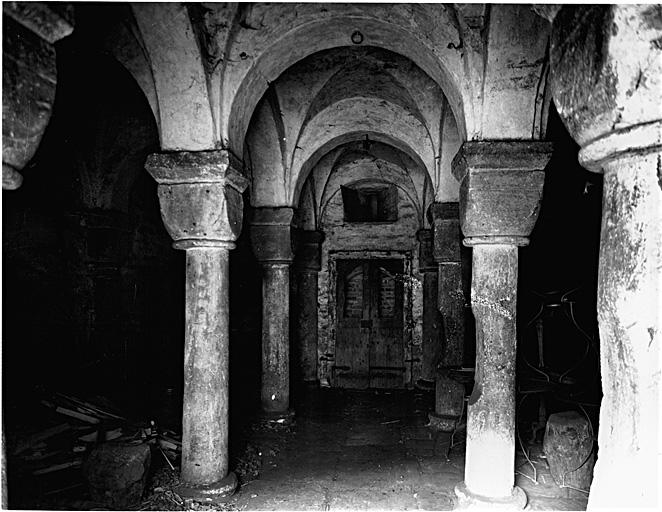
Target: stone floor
x,y
366,450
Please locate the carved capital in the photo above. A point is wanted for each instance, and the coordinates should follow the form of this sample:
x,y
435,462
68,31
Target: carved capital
x,y
445,220
606,75
308,249
271,234
501,185
200,197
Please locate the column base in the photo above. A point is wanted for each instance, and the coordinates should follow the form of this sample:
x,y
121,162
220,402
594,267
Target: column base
x,y
467,500
277,415
216,492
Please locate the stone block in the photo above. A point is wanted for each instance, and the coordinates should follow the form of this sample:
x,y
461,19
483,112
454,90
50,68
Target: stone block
x,y
445,220
449,395
116,474
200,196
501,185
271,234
568,446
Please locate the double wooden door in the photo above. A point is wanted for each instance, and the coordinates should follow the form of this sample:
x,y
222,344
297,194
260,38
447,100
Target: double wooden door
x,y
369,346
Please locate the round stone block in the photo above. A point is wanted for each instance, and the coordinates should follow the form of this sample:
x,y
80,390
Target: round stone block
x,y
568,446
116,474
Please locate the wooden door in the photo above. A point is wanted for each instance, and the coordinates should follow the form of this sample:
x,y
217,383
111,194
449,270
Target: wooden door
x,y
369,349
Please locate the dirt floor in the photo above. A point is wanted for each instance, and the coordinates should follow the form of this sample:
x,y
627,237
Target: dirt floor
x,y
354,450
342,450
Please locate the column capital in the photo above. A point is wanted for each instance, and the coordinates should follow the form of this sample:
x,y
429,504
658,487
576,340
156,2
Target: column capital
x,y
501,186
271,234
606,77
200,197
445,220
308,245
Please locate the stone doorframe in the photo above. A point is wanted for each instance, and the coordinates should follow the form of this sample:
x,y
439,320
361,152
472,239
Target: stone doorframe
x,y
407,320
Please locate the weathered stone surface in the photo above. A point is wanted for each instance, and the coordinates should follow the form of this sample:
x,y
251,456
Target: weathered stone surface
x,y
206,367
116,474
450,301
606,75
306,324
50,21
606,69
490,455
500,186
426,261
307,264
308,249
271,234
445,220
568,446
449,395
201,206
275,337
28,79
200,196
433,324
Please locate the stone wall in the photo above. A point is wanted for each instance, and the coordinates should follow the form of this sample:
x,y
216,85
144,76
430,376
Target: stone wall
x,y
371,240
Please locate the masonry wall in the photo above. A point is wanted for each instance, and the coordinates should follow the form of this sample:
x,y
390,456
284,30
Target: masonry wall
x,y
366,240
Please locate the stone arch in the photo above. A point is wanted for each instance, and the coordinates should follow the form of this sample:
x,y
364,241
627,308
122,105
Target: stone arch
x,y
363,115
185,112
331,32
345,138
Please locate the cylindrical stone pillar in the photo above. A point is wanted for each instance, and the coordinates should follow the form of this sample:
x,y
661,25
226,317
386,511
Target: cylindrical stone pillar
x,y
621,136
271,238
202,208
206,367
490,455
275,337
500,191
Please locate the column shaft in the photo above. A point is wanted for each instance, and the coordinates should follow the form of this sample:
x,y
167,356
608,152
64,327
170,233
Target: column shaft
x,y
306,324
431,327
490,452
451,306
629,321
276,337
206,367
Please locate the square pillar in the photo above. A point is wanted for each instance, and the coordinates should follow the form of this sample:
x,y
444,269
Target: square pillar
x,y
500,192
307,264
200,195
433,341
271,239
445,220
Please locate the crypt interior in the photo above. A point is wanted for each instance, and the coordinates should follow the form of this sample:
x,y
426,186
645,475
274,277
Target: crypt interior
x,y
268,256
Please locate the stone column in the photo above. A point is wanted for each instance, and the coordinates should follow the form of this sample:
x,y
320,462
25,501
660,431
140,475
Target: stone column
x,y
500,192
28,79
201,207
432,342
606,69
272,245
307,264
445,220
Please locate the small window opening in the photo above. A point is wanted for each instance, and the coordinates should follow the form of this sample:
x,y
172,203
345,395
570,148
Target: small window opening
x,y
370,204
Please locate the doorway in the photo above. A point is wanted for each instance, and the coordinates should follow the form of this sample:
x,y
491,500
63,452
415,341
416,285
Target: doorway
x,y
369,313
